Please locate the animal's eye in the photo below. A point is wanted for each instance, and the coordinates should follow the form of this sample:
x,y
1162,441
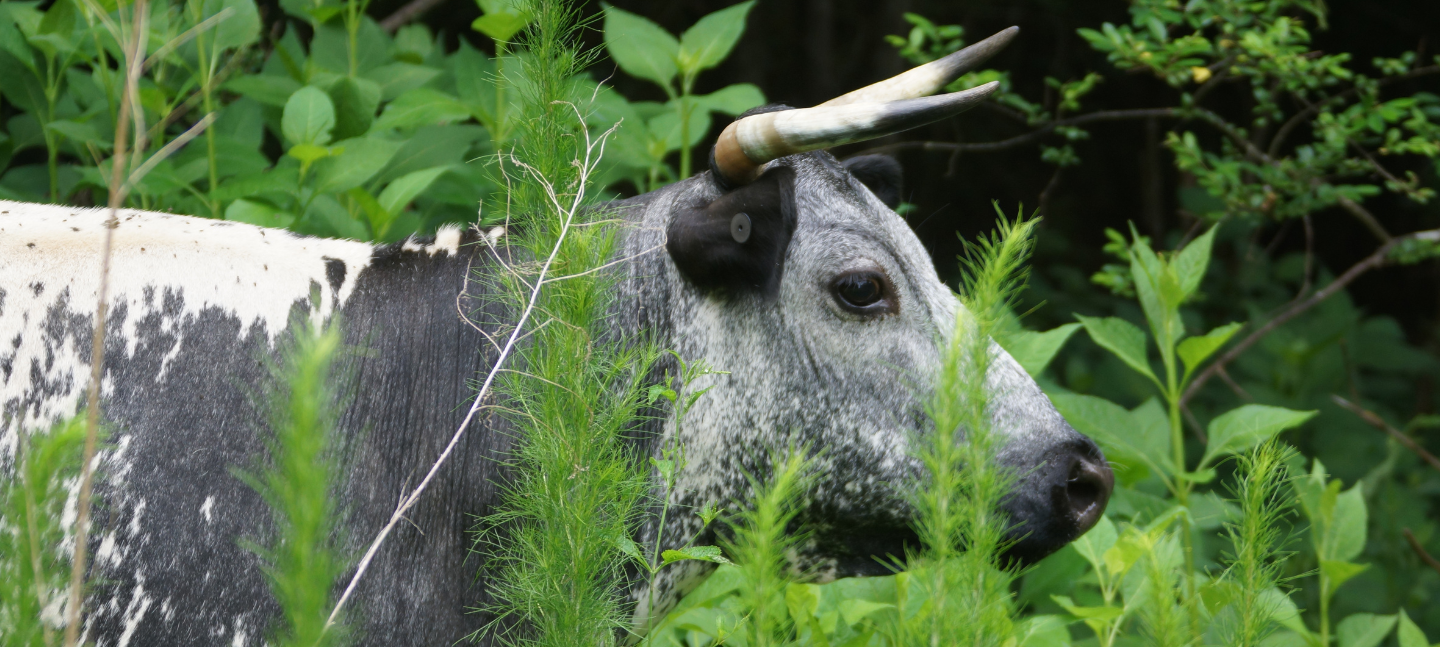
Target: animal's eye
x,y
861,292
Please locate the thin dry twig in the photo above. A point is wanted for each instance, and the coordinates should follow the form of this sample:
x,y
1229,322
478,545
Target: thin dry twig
x,y
407,13
1027,138
1375,260
97,343
1425,556
594,150
1379,423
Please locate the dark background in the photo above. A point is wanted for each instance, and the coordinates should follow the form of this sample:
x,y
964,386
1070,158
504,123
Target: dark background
x,y
802,52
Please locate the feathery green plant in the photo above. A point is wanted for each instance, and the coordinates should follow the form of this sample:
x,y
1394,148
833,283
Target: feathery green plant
x,y
303,561
760,544
576,485
33,569
1259,539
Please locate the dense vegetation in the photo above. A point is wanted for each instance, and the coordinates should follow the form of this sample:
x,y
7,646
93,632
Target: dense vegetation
x,y
1274,483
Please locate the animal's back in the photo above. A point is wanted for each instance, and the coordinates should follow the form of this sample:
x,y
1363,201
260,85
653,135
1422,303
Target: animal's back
x,y
198,308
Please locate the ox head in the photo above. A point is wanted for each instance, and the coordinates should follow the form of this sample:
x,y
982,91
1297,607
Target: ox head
x,y
796,276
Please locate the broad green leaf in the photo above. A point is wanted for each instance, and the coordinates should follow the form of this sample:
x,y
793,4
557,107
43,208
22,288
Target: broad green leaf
x,y
240,28
21,86
802,599
77,132
640,47
1034,349
1410,634
356,101
1159,293
257,213
404,189
380,219
244,121
1345,537
710,40
396,79
856,610
1043,630
361,159
1110,425
500,27
1283,610
282,178
1099,539
733,99
1196,349
1339,572
422,107
309,116
665,128
268,89
12,40
1246,426
327,217
474,74
1191,262
1150,433
1364,629
705,553
1121,338
1100,613
432,146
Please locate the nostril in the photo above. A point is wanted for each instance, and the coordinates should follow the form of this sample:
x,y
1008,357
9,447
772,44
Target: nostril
x,y
1087,489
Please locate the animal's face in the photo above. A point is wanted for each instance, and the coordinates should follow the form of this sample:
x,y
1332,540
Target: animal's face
x,y
830,316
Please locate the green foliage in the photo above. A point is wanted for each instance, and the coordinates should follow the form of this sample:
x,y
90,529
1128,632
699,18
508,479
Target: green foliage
x,y
645,50
34,570
303,560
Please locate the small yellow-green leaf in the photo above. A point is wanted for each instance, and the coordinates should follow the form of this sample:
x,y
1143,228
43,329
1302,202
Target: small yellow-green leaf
x,y
1093,545
1196,349
308,153
704,553
309,115
1338,572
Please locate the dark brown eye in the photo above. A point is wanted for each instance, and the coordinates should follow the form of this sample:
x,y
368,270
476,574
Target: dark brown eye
x,y
860,292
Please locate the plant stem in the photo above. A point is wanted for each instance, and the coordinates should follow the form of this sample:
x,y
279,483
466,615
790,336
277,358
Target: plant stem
x,y
686,82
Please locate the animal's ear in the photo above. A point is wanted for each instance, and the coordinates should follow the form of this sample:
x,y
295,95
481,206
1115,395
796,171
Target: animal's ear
x,y
881,173
737,242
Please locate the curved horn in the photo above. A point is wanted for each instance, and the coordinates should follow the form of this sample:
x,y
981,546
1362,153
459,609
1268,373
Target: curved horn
x,y
747,144
929,78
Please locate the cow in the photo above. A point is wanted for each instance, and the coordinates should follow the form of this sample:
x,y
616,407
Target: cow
x,y
780,264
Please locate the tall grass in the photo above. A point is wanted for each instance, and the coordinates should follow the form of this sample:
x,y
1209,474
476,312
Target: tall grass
x,y
34,569
555,562
958,519
761,543
303,560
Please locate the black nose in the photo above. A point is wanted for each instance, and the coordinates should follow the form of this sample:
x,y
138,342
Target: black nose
x,y
1087,487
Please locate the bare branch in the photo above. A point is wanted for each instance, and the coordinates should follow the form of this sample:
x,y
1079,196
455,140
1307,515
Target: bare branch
x,y
407,13
1425,556
1375,260
1027,138
1379,423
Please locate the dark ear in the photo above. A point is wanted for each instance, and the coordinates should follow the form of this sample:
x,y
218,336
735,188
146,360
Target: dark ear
x,y
737,242
881,173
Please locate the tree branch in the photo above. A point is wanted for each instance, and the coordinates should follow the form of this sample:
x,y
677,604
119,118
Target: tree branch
x,y
1420,551
1313,109
1379,423
1375,260
407,13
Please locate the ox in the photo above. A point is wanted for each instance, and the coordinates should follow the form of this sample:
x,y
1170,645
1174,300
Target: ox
x,y
780,265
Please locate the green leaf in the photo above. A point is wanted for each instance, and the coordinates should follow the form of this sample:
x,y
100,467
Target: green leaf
x,y
1043,630
1244,427
240,28
1337,573
1190,264
1121,338
802,600
500,27
308,117
854,611
360,160
710,40
432,146
1099,613
1410,634
12,40
1098,540
665,128
733,99
1033,349
396,79
356,101
629,548
404,189
704,553
257,213
21,86
1110,426
640,47
422,107
1364,629
309,153
1345,537
268,89
1196,349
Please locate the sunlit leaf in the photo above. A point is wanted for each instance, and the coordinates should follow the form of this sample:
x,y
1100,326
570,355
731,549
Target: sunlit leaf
x,y
640,47
1247,426
710,40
